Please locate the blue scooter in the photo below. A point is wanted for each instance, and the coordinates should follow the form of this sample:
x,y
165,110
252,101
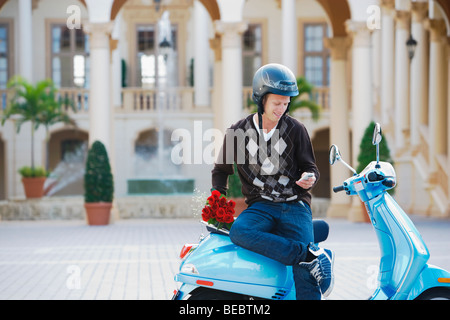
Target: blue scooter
x,y
215,268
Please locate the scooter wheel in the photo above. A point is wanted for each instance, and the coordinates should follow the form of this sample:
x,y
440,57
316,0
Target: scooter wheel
x,y
435,294
211,294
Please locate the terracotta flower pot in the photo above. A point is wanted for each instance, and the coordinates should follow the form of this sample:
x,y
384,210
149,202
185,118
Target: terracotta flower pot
x,y
240,206
34,187
98,213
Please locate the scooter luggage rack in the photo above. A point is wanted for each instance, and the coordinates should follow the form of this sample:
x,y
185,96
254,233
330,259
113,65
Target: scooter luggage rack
x,y
214,229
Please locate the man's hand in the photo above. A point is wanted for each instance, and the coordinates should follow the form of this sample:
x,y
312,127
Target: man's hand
x,y
307,180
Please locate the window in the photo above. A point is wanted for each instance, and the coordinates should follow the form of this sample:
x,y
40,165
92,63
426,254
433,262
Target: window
x,y
4,55
316,56
155,71
69,57
251,52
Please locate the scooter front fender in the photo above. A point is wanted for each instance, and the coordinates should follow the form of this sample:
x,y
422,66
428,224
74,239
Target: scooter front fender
x,y
430,277
219,264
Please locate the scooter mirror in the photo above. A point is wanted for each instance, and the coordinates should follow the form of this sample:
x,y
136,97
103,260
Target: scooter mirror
x,y
376,134
334,154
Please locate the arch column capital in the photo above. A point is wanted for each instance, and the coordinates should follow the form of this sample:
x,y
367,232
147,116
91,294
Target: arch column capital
x,y
230,32
99,33
359,32
339,47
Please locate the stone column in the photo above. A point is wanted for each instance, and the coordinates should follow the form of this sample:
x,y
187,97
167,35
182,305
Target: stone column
x,y
231,33
339,126
387,59
437,91
201,72
289,35
448,116
362,109
401,79
25,54
419,71
216,45
99,96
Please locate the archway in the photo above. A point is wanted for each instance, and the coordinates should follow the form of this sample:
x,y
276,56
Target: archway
x,y
338,11
321,142
67,155
211,6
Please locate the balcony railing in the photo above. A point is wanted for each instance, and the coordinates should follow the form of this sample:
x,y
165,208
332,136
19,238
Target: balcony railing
x,y
139,100
5,96
80,98
152,100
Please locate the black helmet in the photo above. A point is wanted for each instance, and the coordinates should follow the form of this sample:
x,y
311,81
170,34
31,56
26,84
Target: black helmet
x,y
273,78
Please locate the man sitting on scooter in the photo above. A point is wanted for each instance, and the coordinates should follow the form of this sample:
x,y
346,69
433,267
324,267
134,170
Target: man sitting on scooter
x,y
276,165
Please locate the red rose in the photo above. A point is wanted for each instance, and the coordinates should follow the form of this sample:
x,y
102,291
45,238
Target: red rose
x,y
214,207
211,200
228,219
206,213
215,194
223,202
230,211
220,214
231,204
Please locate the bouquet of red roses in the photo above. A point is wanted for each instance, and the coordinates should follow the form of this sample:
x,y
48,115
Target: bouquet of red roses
x,y
218,211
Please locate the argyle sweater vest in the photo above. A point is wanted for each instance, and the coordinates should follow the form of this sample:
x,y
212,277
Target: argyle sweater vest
x,y
269,169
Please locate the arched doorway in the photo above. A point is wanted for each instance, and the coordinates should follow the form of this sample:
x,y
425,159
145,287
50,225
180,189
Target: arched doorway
x,y
338,11
211,6
321,143
67,156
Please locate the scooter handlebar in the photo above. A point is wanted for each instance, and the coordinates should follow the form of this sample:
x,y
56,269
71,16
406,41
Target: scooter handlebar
x,y
338,189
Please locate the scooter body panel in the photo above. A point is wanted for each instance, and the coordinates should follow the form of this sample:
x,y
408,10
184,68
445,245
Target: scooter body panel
x,y
228,267
403,252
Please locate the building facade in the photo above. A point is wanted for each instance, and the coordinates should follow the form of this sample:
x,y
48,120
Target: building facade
x,y
158,82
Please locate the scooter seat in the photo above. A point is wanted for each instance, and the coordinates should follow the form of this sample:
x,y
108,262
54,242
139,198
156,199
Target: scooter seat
x,y
320,229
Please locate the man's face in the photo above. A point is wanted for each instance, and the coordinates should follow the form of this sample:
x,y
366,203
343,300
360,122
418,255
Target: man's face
x,y
275,106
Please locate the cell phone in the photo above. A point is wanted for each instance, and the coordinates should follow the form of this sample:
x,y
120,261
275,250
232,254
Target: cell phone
x,y
307,176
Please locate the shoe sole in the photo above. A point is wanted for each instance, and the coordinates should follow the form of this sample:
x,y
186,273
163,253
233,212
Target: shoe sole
x,y
330,288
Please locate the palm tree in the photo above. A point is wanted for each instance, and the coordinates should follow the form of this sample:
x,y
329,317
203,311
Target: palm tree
x,y
305,88
53,113
37,104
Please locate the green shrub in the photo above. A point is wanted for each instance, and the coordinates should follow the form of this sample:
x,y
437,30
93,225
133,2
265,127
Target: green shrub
x,y
30,172
367,151
98,178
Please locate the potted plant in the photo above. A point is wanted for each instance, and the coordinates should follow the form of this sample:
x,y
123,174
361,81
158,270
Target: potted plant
x,y
98,185
33,180
367,154
39,105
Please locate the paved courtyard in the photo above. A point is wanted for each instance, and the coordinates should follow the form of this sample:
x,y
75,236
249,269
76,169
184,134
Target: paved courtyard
x,y
137,259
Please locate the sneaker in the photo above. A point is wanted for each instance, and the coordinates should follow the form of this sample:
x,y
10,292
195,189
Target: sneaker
x,y
321,268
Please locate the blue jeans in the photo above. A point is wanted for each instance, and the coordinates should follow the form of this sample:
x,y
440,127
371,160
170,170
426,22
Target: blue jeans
x,y
280,231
